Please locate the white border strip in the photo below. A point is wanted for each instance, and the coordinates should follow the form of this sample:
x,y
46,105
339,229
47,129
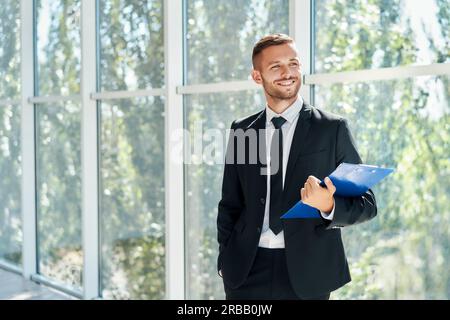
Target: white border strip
x,y
27,140
53,99
218,87
174,174
106,95
89,151
394,73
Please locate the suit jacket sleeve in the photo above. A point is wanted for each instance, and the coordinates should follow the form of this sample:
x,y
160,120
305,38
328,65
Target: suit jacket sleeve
x,y
350,210
232,201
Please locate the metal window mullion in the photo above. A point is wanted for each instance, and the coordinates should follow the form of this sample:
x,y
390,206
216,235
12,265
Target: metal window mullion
x,y
89,151
381,74
300,19
8,102
28,189
174,200
110,95
53,99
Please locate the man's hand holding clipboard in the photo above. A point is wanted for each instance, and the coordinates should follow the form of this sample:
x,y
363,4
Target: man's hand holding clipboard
x,y
348,180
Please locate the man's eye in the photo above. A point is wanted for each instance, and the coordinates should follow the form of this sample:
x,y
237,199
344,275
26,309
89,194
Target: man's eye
x,y
294,64
275,67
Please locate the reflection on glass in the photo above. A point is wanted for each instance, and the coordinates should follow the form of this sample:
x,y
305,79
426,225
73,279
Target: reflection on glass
x,y
10,164
220,38
203,185
58,46
131,44
132,221
10,185
352,35
58,173
9,49
404,252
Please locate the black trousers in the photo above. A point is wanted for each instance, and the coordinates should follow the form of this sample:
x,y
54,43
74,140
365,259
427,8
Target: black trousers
x,y
268,279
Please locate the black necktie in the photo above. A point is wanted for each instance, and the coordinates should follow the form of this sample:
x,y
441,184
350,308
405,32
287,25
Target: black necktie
x,y
276,175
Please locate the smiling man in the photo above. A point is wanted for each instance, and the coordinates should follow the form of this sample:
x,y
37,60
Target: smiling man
x,y
260,255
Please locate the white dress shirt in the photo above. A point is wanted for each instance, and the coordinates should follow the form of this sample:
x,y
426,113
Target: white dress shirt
x,y
268,239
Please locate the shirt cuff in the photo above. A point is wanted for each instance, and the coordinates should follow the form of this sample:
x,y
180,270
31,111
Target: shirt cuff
x,y
328,216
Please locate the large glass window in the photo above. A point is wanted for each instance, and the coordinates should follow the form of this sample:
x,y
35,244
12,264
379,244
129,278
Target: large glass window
x,y
353,35
132,188
58,139
10,170
10,50
402,123
404,252
219,47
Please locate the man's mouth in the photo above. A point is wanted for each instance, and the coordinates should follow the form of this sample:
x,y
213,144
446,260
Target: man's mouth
x,y
286,83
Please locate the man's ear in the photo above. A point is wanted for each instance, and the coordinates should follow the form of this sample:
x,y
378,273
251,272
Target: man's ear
x,y
256,75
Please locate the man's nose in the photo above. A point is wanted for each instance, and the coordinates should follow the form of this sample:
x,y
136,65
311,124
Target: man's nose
x,y
285,72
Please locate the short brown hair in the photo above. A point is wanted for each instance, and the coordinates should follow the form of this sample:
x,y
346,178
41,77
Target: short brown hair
x,y
275,39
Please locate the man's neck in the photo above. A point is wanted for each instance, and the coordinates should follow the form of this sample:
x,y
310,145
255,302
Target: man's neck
x,y
280,105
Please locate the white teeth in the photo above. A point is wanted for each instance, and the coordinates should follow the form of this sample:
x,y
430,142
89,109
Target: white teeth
x,y
286,83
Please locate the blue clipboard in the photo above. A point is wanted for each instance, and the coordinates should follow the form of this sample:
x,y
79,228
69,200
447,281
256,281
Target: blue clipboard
x,y
350,180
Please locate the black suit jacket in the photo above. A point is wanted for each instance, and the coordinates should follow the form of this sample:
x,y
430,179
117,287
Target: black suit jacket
x,y
315,254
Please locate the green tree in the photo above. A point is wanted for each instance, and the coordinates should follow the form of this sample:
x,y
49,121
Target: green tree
x,y
132,151
10,171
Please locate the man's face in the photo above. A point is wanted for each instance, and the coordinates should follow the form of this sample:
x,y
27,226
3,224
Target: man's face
x,y
277,68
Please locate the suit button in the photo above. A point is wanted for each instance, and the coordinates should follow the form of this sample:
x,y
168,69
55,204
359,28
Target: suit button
x,y
263,200
258,229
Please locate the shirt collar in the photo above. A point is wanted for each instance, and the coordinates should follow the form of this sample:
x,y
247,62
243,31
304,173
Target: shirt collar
x,y
289,114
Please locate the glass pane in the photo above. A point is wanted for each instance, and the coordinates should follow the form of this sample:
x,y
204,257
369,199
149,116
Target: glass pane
x,y
10,152
131,44
404,253
59,192
132,199
220,38
10,49
211,115
10,185
353,35
58,46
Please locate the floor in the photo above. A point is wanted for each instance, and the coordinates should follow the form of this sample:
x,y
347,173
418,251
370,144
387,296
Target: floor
x,y
16,287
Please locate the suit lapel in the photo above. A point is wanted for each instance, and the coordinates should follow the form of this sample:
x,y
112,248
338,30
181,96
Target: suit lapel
x,y
298,142
297,147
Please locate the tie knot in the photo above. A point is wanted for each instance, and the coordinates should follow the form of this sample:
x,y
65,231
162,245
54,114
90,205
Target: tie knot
x,y
278,122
